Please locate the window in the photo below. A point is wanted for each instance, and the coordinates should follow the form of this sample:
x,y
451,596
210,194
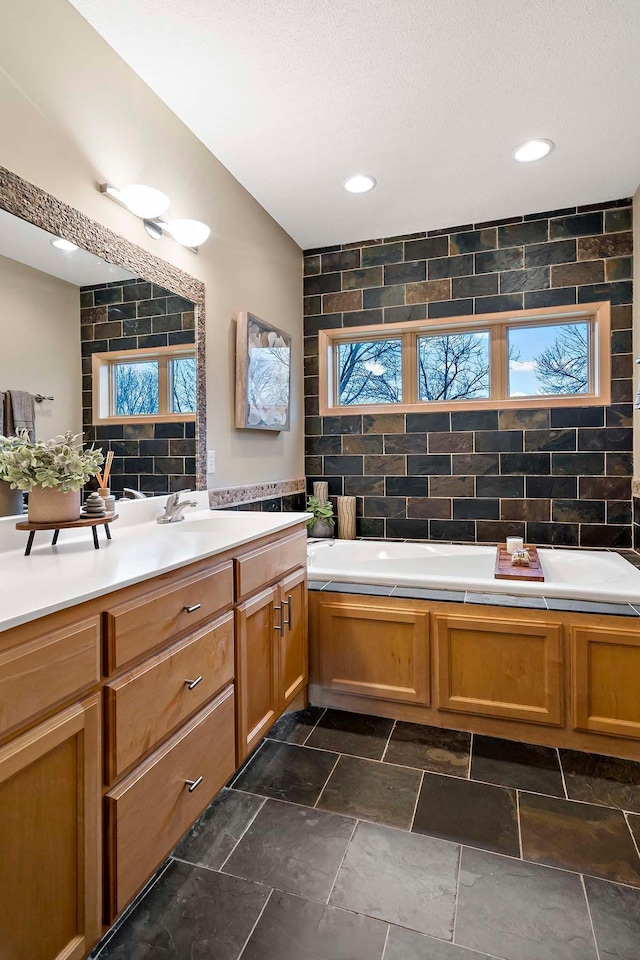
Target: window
x,y
152,385
556,356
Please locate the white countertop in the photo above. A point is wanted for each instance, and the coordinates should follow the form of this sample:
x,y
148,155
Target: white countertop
x,y
54,578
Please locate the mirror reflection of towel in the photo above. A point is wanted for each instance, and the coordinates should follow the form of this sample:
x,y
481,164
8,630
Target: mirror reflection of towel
x,y
637,403
20,413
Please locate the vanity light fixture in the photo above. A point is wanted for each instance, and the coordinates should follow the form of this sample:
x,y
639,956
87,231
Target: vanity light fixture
x,y
140,200
149,204
65,245
532,150
359,183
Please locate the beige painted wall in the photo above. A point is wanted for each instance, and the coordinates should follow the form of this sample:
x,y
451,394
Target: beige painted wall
x,y
40,344
72,114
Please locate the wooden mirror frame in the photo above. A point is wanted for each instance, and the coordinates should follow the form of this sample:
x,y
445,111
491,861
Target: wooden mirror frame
x,y
30,203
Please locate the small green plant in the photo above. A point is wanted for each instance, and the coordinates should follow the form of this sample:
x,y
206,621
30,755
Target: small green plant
x,y
61,462
319,511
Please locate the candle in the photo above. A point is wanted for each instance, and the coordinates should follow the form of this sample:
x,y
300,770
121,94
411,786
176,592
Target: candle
x,y
514,543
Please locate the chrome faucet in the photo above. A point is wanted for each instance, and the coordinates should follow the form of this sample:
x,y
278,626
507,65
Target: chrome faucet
x,y
129,494
174,506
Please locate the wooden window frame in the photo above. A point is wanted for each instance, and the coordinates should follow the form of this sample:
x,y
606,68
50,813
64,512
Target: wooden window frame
x,y
102,366
597,314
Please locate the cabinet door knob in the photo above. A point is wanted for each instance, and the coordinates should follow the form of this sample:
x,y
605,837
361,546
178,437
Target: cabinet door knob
x,y
196,606
193,683
286,621
192,784
278,626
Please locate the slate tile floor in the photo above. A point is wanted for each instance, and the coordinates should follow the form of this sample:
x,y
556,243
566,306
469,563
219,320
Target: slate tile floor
x,y
347,837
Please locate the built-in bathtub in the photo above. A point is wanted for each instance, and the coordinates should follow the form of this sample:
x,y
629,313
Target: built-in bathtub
x,y
585,575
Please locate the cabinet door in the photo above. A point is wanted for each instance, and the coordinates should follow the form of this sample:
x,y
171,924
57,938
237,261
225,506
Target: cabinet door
x,y
50,843
258,625
374,648
500,667
606,680
294,649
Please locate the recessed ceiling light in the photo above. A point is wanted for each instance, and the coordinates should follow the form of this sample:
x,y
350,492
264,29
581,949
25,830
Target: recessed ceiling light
x,y
360,183
65,245
532,150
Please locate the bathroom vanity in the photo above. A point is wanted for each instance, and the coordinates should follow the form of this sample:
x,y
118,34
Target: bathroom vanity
x,y
122,715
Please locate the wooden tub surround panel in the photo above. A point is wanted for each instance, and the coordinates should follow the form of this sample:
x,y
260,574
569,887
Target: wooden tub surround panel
x,y
540,676
499,668
183,673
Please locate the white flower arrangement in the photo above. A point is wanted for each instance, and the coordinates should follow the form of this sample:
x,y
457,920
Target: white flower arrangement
x,y
61,462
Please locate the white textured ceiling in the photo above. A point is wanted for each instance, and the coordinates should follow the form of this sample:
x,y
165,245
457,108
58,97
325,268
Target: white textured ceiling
x,y
428,96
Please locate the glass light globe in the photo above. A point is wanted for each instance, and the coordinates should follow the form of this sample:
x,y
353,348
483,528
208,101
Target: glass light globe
x,y
145,202
190,233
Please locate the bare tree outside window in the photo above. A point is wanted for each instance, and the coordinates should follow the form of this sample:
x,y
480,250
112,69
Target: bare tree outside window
x,y
136,388
370,371
563,367
454,366
552,360
183,379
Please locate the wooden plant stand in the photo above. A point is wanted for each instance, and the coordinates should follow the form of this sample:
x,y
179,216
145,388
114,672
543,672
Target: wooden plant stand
x,y
93,522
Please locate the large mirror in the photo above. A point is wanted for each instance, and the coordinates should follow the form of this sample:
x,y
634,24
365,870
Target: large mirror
x,y
102,350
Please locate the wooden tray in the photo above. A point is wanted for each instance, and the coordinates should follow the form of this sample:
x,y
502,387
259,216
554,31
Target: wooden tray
x,y
93,522
505,571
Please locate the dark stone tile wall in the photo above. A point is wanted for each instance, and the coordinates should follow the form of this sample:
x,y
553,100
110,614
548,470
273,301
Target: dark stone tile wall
x,y
154,458
290,503
554,475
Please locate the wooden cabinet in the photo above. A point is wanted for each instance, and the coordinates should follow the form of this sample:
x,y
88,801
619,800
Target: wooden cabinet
x,y
500,667
294,647
605,676
149,810
373,648
137,626
269,563
145,704
156,666
39,673
257,622
271,656
50,838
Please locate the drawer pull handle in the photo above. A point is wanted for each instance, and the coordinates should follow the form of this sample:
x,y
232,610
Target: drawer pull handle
x,y
196,606
286,621
193,683
290,606
278,626
192,784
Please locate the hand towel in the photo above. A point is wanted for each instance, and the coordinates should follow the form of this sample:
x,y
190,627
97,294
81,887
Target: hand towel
x,y
22,412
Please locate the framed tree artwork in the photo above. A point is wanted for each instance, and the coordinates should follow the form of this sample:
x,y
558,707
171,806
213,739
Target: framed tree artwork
x,y
263,375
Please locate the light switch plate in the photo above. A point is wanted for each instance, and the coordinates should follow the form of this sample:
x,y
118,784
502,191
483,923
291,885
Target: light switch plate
x,y
211,461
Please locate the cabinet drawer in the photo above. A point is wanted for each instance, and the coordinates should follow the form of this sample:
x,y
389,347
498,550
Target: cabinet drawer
x,y
147,703
266,564
36,675
150,810
141,624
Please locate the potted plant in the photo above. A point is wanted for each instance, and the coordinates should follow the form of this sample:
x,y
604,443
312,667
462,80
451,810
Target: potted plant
x,y
320,523
53,471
